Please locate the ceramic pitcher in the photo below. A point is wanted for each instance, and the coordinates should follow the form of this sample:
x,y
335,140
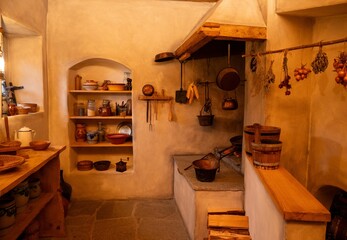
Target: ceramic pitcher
x,y
25,135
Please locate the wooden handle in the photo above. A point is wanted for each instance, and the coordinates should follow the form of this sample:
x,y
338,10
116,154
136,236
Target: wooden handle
x,y
170,111
7,128
257,133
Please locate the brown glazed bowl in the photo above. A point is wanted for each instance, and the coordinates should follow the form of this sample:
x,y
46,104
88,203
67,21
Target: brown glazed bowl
x,y
39,145
102,165
117,138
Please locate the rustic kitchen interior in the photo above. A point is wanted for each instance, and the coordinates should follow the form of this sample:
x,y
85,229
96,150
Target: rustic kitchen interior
x,y
289,61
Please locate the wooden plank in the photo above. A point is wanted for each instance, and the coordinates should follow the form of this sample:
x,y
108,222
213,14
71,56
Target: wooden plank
x,y
193,43
222,234
229,211
215,31
292,198
234,32
155,98
230,230
228,221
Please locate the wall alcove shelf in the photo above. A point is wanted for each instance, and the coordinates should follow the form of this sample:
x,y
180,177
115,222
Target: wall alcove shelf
x,y
100,91
97,145
98,69
101,117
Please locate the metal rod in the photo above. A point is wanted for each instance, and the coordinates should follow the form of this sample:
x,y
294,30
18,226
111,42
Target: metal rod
x,y
318,44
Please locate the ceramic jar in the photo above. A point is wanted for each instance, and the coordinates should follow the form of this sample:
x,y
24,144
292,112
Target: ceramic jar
x,y
80,133
12,109
105,110
92,137
91,108
21,195
34,188
7,212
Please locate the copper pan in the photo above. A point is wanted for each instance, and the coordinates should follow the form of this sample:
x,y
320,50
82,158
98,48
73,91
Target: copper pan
x,y
228,78
163,57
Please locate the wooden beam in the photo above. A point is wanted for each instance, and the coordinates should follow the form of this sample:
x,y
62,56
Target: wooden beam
x,y
214,31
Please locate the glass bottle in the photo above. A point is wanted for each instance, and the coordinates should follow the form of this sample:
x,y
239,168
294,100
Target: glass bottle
x,y
128,107
101,132
91,108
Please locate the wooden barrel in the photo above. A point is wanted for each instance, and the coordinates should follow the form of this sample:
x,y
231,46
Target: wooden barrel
x,y
267,154
266,132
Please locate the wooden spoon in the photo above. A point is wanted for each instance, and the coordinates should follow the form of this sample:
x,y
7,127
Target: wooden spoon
x,y
7,129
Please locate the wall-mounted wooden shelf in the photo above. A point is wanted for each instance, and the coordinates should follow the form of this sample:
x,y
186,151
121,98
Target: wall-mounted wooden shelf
x,y
155,98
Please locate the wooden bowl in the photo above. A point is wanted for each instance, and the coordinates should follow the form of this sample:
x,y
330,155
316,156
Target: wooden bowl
x,y
23,110
117,138
85,165
33,106
39,145
7,144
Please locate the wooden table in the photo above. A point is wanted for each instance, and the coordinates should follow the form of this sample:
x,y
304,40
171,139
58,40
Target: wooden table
x,y
48,206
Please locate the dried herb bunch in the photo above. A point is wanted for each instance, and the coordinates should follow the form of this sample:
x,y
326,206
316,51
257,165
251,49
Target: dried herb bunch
x,y
321,62
285,83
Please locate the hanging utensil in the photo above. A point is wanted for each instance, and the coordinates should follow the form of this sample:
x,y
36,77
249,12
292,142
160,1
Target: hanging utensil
x,y
181,95
150,116
163,57
228,78
230,103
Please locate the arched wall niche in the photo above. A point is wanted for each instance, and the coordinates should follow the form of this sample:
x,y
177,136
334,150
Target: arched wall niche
x,y
99,69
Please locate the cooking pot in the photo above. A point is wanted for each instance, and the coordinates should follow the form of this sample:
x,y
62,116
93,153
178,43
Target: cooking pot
x,y
25,135
228,78
229,104
205,169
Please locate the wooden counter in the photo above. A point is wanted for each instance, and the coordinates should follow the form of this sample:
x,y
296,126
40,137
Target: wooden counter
x,y
292,199
47,208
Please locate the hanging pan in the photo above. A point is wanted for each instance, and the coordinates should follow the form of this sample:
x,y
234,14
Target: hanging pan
x,y
181,95
164,56
228,78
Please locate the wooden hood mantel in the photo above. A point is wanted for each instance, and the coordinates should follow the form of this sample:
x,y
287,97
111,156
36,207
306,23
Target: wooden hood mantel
x,y
226,20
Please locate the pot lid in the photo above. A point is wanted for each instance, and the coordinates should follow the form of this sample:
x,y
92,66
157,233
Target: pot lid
x,y
25,129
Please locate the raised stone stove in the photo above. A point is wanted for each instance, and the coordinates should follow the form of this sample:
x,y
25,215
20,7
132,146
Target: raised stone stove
x,y
195,198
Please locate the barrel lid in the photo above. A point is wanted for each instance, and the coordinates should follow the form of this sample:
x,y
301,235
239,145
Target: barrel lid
x,y
263,129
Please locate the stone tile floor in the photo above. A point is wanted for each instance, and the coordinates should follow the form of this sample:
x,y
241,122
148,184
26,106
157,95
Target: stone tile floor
x,y
125,220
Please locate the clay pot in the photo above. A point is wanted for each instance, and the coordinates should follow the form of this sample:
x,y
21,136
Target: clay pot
x,y
80,133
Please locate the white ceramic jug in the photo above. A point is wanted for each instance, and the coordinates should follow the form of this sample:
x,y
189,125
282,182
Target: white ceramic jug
x,y
25,135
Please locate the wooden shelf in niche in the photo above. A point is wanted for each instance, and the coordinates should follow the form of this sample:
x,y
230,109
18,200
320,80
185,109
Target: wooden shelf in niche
x,y
101,118
101,91
102,144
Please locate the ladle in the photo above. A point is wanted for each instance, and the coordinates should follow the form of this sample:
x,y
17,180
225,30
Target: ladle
x,y
8,142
